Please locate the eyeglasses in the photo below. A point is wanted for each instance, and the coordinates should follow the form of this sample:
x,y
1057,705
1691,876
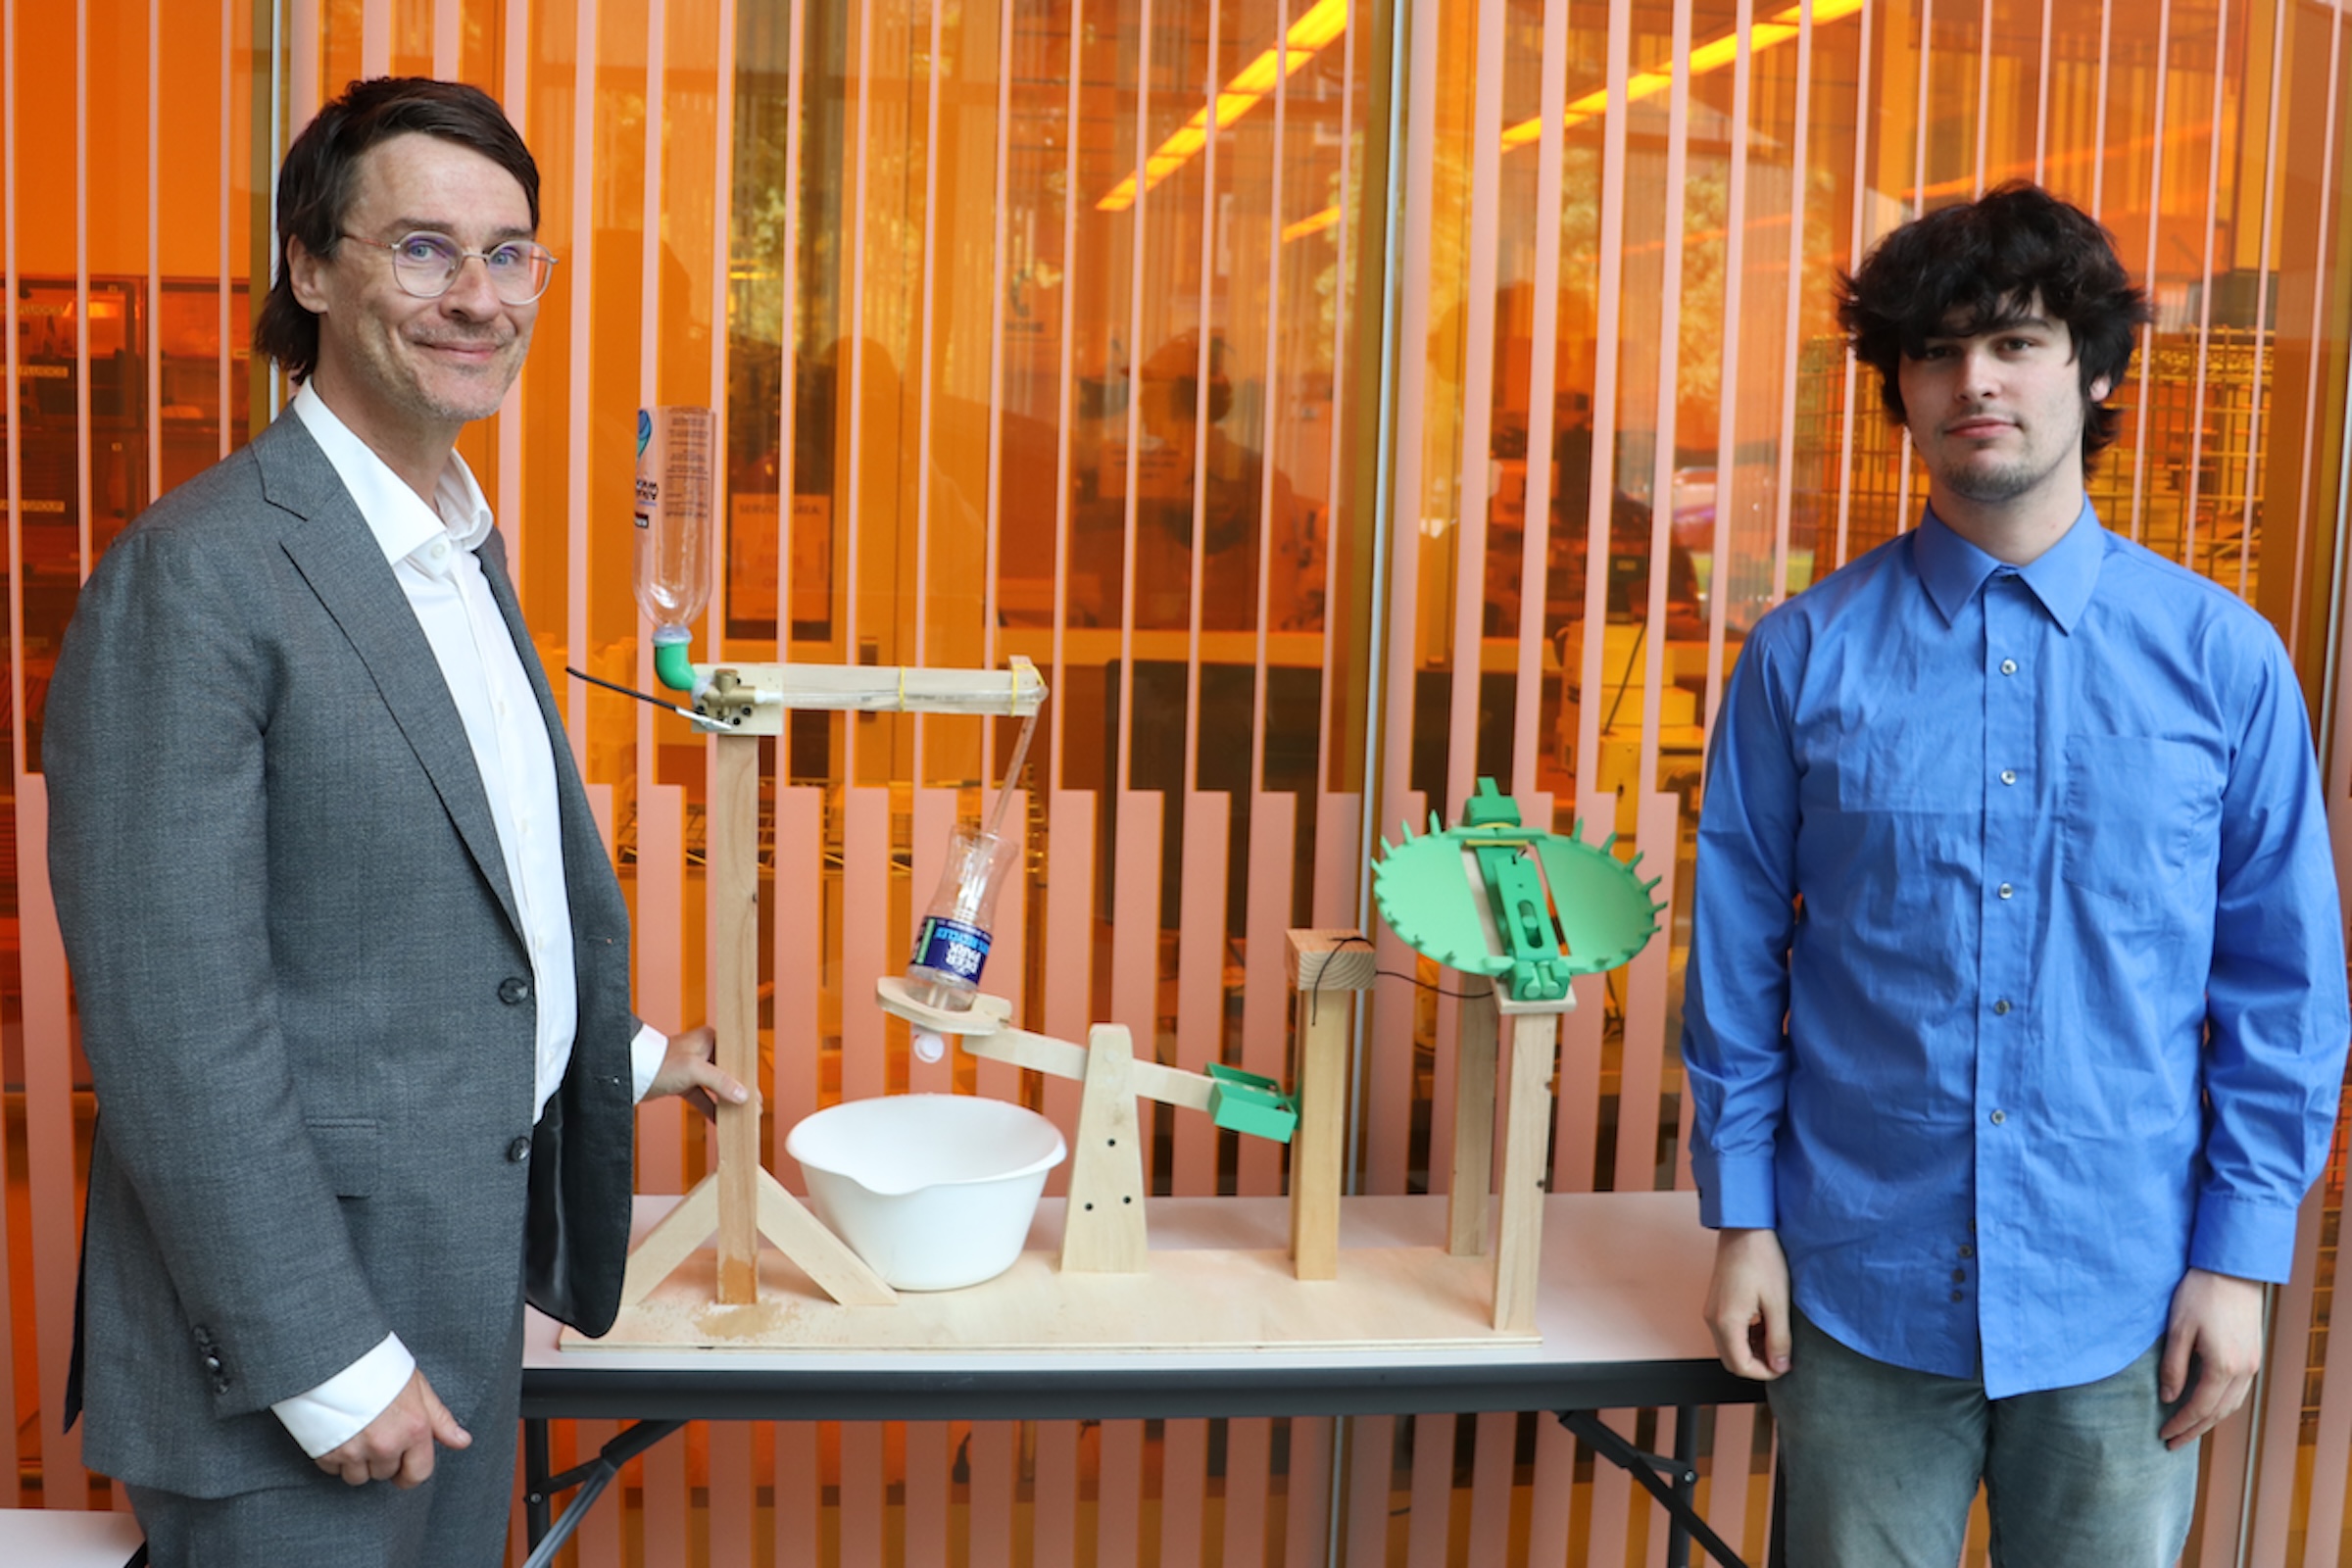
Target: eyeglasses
x,y
424,266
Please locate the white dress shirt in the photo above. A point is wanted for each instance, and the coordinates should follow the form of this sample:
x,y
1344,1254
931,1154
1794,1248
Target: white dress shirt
x,y
431,551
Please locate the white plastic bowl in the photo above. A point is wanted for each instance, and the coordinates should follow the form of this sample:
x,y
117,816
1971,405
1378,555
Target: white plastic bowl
x,y
935,1192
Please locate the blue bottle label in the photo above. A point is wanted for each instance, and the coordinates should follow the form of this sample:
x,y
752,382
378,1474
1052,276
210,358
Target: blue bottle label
x,y
951,947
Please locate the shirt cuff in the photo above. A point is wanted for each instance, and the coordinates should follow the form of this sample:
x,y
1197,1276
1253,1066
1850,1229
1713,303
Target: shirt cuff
x,y
2252,1241
645,1054
1736,1191
340,1409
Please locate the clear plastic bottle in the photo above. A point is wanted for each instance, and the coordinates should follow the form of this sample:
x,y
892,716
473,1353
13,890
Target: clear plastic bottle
x,y
951,946
671,568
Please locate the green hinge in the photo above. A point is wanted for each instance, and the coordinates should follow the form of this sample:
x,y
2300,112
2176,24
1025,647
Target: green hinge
x,y
1245,1103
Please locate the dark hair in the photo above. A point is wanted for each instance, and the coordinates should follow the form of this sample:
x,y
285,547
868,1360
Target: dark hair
x,y
1964,269
318,181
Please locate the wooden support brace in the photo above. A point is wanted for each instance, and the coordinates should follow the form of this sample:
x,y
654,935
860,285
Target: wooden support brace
x,y
1526,1141
1326,970
781,1217
734,874
1472,1174
1103,1227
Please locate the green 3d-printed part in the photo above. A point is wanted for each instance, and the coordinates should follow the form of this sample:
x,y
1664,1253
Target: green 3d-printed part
x,y
1558,907
1245,1103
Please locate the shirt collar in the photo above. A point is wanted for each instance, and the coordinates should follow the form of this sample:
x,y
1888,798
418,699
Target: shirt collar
x,y
2062,576
405,528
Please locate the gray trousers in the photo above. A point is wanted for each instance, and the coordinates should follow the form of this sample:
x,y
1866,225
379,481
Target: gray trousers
x,y
1881,1465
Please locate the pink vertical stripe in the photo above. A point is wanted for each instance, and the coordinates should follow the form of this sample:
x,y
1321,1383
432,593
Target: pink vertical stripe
x,y
799,966
934,818
303,70
2319,309
2144,397
1535,541
1119,1494
1646,1010
787,387
448,20
1064,426
1266,990
1428,1526
49,1157
854,452
1552,1488
1069,891
1341,235
1383,1133
731,1492
1339,860
223,362
10,97
1183,1491
85,497
1053,1512
993,502
2041,94
799,1492
1410,499
866,944
1134,381
923,366
600,1536
996,1464
582,265
1727,1474
1203,343
1371,1451
1793,288
1474,478
863,1500
663,1475
1135,921
1269,427
1853,254
2255,453
928,1455
1307,1521
376,38
1249,1454
658,937
154,390
2278,1396
1200,978
1612,1501
2212,187
1983,94
1490,1484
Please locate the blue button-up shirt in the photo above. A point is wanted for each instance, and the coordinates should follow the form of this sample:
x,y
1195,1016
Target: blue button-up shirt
x,y
2016,980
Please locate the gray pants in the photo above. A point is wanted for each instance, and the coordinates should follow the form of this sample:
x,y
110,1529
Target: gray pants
x,y
1882,1463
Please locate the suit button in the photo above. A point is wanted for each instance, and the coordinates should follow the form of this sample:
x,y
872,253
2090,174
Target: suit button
x,y
518,1150
513,991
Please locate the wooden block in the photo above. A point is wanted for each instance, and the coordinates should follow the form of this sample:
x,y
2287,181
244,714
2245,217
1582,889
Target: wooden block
x,y
824,1256
733,820
667,1244
1473,1173
1318,1149
1105,1233
1526,1132
1327,960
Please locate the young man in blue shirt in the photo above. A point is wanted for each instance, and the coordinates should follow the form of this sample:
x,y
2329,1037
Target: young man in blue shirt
x,y
2016,1005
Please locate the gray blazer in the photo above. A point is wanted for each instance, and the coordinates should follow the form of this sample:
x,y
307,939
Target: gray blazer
x,y
304,995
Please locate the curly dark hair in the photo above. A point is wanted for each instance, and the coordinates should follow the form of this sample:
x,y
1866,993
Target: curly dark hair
x,y
1965,270
321,176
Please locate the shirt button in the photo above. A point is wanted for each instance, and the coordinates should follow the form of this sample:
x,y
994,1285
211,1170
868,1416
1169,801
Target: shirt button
x,y
1999,1116
2008,775
1967,1251
1959,1276
2008,667
513,991
1959,1296
2005,890
2002,1007
518,1150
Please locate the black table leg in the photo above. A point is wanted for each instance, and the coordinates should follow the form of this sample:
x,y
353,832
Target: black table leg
x,y
1675,1497
537,1513
591,1478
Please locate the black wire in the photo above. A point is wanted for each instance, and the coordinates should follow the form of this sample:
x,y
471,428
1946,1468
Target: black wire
x,y
625,691
1314,992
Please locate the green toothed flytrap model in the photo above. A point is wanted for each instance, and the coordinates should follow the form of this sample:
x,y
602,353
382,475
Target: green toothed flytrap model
x,y
1538,909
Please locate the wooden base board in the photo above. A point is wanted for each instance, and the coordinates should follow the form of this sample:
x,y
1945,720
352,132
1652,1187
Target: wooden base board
x,y
1194,1298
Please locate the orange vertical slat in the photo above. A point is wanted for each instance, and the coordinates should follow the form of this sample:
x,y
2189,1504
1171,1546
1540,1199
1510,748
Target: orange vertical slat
x,y
1248,1452
1054,1508
799,964
863,1527
935,814
798,1494
1183,1491
1266,990
1119,1494
1429,1519
1307,1504
865,945
928,1455
1201,977
1492,1463
1371,1448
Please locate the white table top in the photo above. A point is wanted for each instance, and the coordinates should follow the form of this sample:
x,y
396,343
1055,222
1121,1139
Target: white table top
x,y
1624,1275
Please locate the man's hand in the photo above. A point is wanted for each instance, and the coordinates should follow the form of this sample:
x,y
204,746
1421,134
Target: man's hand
x,y
689,1070
1747,1304
2216,1318
398,1445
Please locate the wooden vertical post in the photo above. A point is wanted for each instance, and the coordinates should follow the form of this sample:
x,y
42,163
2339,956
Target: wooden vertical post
x,y
1103,1228
1526,1139
1472,1174
1326,970
732,857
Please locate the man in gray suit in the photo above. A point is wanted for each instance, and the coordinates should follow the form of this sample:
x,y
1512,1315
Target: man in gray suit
x,y
352,964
